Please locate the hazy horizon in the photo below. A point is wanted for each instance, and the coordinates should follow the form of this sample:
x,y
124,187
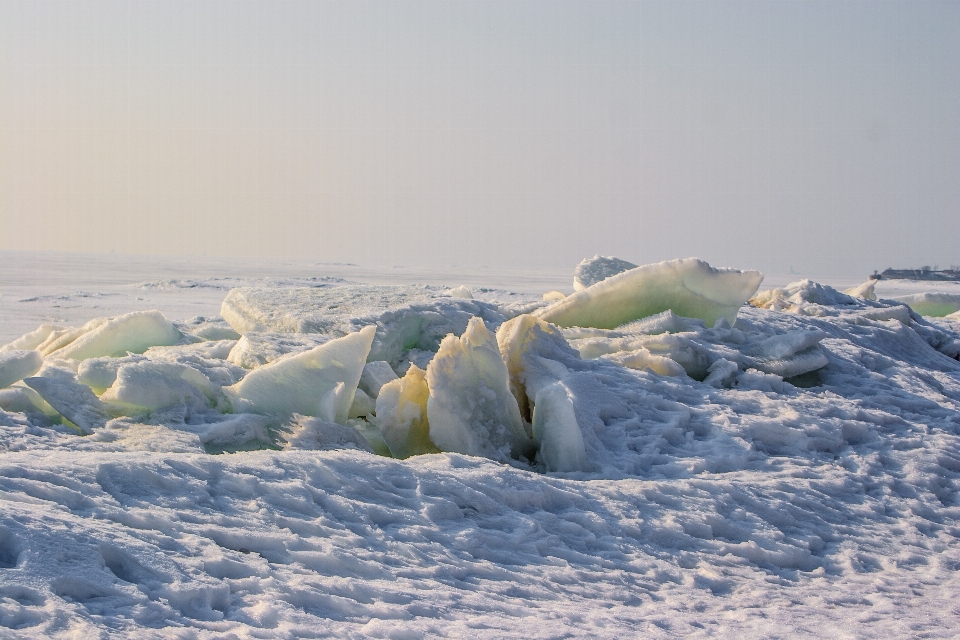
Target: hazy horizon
x,y
815,137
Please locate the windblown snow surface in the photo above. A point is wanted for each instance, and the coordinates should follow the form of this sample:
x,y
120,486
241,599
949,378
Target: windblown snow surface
x,y
796,472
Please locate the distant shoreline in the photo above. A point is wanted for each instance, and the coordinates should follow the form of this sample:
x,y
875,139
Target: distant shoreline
x,y
923,273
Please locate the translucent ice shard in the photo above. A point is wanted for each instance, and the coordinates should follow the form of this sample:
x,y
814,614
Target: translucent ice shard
x,y
17,365
402,414
690,287
319,382
134,332
470,407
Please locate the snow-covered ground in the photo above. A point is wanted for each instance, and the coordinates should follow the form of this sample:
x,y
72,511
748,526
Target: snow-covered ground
x,y
797,473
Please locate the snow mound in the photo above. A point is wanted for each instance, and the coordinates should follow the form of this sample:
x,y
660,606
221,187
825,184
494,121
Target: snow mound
x,y
590,271
320,435
689,287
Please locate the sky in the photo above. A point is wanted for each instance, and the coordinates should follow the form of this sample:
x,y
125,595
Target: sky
x,y
812,137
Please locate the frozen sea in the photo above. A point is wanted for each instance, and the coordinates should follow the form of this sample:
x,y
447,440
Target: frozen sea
x,y
758,508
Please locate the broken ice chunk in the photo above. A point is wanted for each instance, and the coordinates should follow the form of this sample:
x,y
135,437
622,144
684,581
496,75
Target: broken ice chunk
x,y
375,375
134,332
33,339
788,354
100,373
148,386
320,382
402,415
17,365
75,401
598,268
363,405
460,292
556,428
470,407
257,349
864,290
641,359
690,287
932,304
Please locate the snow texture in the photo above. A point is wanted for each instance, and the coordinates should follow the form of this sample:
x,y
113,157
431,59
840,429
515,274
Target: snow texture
x,y
689,287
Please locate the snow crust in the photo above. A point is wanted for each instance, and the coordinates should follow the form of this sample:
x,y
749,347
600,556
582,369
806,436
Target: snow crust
x,y
792,471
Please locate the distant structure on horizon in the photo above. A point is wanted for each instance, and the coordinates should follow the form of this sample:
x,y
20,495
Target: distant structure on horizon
x,y
923,273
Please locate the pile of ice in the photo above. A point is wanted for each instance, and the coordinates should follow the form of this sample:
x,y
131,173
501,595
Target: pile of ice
x,y
413,370
806,441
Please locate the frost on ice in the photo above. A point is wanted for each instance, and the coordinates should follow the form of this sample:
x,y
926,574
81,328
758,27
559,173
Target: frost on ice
x,y
690,287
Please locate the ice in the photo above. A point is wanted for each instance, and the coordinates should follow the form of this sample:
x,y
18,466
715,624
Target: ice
x,y
257,349
864,290
33,339
789,354
805,297
553,296
558,433
536,356
590,271
407,317
133,332
146,386
363,405
318,383
470,408
17,365
317,434
655,505
689,287
461,292
74,401
100,373
375,375
932,304
402,414
642,358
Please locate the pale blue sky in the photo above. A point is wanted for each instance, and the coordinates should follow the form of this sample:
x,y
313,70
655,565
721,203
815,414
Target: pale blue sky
x,y
822,136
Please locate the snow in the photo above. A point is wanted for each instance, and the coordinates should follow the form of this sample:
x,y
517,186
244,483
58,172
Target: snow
x,y
794,472
689,287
